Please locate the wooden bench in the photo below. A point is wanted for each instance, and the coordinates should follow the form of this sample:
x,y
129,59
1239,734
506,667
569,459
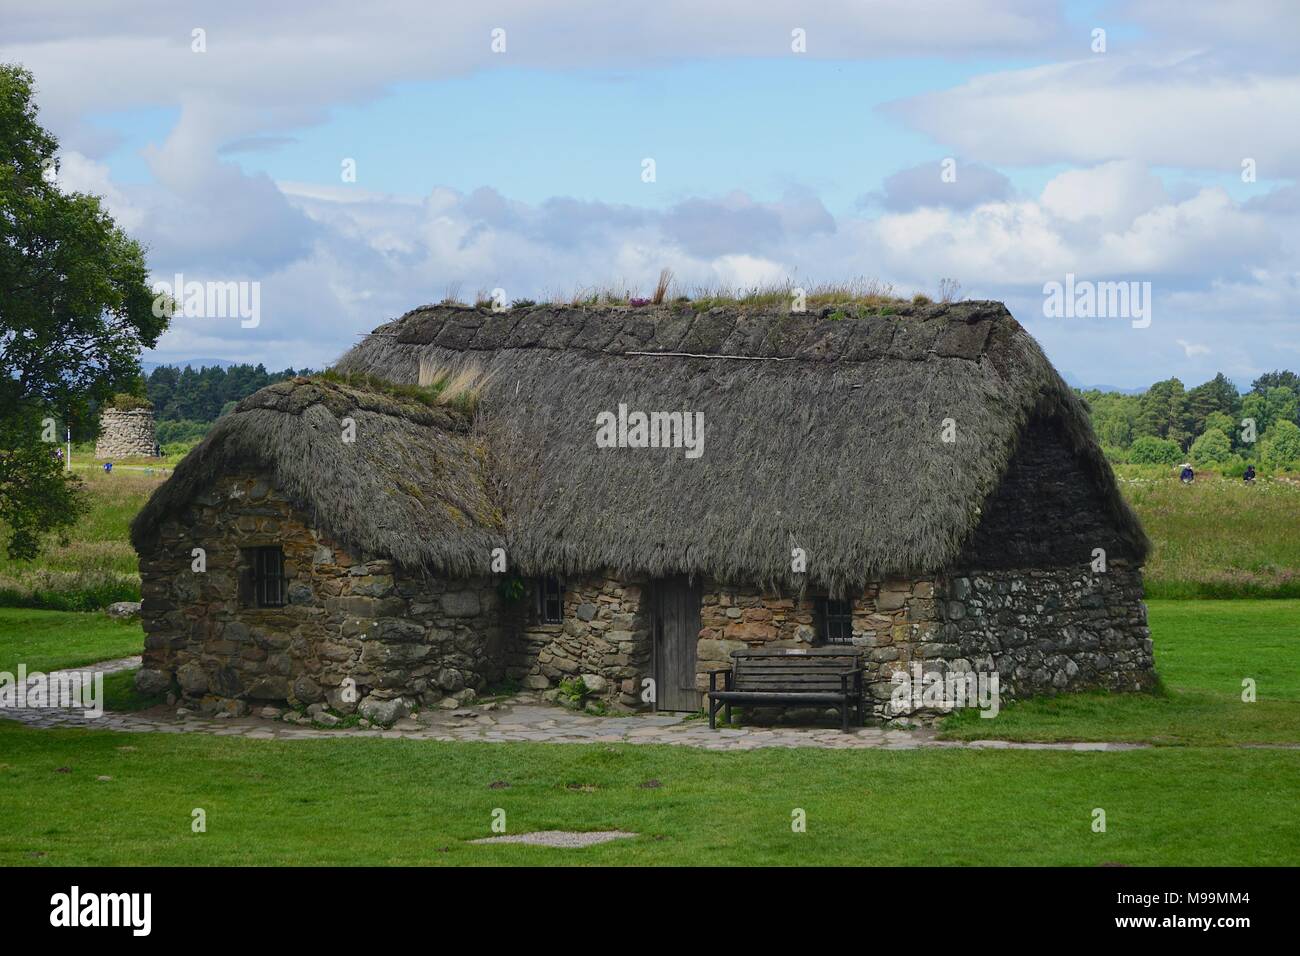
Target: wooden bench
x,y
820,675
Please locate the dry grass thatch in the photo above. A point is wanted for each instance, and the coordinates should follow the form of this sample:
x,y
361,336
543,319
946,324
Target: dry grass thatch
x,y
822,431
411,486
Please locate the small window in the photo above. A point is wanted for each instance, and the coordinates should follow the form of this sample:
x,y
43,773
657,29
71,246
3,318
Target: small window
x,y
264,577
550,601
835,621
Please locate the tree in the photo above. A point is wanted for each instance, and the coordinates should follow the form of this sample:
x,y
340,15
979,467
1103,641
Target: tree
x,y
1281,446
1273,379
1149,450
1254,407
1212,448
1216,395
75,311
1163,412
1281,403
1224,423
1277,404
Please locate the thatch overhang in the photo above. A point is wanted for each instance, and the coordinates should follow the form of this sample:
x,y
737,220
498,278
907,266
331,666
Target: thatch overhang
x,y
411,485
823,431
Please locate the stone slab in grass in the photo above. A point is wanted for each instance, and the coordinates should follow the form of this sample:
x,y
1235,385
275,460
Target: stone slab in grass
x,y
564,838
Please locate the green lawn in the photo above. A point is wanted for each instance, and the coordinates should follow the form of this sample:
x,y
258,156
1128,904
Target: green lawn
x,y
1204,650
382,801
375,801
45,640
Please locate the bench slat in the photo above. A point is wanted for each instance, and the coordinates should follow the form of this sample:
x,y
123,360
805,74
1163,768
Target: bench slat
x,y
782,678
827,679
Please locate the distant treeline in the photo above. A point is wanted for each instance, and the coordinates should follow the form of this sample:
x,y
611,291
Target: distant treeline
x,y
1169,423
187,401
201,395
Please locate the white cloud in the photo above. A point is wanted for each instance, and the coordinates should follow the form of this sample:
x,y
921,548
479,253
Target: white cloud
x,y
1182,111
272,67
1110,195
1191,348
1221,277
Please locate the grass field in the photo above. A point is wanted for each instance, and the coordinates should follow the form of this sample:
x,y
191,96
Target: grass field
x,y
365,800
373,801
1204,650
1220,538
46,640
97,566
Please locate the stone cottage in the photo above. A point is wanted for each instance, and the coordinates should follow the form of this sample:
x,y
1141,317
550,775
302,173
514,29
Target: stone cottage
x,y
638,493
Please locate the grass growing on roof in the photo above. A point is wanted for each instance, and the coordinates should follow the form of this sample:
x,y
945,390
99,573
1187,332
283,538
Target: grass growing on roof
x,y
869,295
439,388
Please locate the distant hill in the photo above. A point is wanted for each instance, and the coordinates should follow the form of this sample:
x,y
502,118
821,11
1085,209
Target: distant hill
x,y
1074,382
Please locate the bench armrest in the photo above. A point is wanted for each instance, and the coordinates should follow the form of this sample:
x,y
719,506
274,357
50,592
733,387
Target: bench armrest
x,y
713,678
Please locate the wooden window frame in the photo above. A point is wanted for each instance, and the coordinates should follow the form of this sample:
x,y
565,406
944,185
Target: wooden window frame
x,y
550,600
264,580
834,622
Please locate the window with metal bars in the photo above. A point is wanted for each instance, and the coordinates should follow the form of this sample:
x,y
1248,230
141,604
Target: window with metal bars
x,y
550,601
834,621
264,577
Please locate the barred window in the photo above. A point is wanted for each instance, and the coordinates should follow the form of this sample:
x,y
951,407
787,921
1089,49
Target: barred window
x,y
835,621
263,577
550,601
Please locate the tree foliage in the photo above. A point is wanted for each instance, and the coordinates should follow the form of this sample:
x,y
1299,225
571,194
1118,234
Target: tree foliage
x,y
1168,412
1281,445
1150,450
1212,448
200,395
75,312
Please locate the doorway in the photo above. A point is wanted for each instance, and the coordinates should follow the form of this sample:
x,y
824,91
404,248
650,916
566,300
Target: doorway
x,y
676,632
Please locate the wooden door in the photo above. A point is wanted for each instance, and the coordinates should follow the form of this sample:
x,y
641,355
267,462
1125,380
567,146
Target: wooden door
x,y
677,629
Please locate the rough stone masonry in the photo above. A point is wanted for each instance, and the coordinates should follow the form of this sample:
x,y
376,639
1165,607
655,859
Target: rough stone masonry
x,y
126,434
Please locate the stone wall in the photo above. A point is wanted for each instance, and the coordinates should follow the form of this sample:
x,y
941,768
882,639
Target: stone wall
x,y
1047,629
891,620
124,434
404,640
604,638
1042,630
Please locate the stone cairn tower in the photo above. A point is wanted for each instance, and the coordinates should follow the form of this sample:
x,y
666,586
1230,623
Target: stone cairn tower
x,y
126,433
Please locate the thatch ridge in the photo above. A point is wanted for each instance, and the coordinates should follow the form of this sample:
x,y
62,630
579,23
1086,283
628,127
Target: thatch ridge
x,y
412,486
822,432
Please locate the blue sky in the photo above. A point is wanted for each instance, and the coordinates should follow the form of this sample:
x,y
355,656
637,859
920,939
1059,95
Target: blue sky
x,y
521,169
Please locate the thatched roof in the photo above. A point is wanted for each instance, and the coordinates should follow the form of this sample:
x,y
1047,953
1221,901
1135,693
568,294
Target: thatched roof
x,y
822,431
412,486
